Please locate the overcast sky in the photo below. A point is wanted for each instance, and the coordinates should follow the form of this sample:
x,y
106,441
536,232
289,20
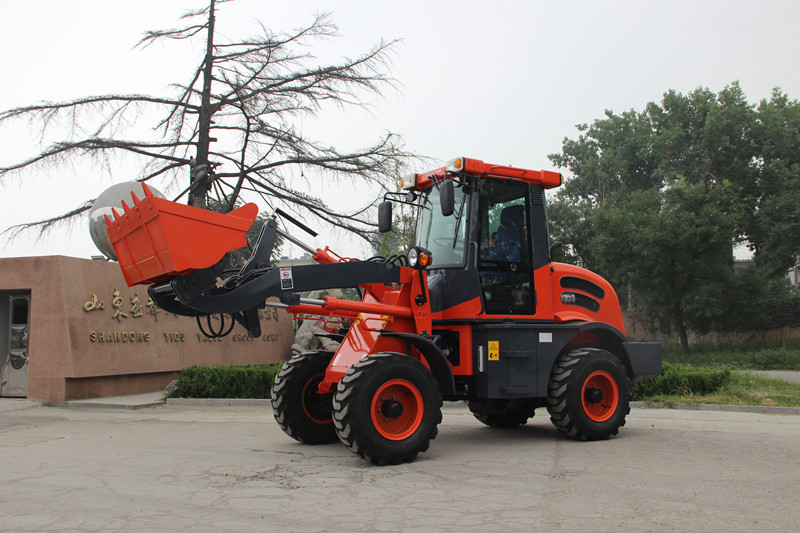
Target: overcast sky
x,y
502,81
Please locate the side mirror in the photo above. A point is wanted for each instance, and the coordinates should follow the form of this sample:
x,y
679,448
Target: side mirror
x,y
447,197
385,217
555,246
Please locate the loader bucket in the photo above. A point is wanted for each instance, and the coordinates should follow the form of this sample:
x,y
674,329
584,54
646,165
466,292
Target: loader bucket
x,y
155,239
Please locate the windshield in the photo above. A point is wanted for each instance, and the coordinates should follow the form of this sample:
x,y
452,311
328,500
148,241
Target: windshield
x,y
443,236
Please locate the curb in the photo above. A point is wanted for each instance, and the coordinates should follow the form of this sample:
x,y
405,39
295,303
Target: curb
x,y
83,404
218,401
131,405
762,409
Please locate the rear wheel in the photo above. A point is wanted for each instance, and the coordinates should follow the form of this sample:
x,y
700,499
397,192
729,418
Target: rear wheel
x,y
300,410
588,394
387,408
504,413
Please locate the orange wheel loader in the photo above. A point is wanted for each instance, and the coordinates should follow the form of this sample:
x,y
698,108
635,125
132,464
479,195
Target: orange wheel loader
x,y
475,311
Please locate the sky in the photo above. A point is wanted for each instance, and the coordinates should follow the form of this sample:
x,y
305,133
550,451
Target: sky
x,y
503,81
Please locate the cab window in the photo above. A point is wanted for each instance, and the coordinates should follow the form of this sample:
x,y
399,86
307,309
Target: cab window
x,y
443,236
505,264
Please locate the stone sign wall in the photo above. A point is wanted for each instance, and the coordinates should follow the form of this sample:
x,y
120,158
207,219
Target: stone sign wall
x,y
91,335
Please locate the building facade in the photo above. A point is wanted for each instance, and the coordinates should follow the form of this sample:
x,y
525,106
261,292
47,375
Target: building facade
x,y
71,329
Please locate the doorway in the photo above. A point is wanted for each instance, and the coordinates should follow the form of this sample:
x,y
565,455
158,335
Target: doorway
x,y
14,336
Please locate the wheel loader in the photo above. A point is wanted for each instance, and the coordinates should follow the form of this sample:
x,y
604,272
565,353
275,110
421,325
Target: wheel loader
x,y
476,311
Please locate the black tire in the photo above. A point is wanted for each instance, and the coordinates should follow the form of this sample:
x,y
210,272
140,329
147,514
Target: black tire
x,y
301,412
387,408
504,413
588,394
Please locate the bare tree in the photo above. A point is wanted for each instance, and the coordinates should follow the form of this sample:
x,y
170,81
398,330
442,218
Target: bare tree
x,y
231,129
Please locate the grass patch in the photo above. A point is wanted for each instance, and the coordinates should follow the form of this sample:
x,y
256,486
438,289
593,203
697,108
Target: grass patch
x,y
762,358
741,388
226,381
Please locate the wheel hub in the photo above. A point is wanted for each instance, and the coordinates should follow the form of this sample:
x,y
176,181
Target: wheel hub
x,y
397,409
593,395
600,396
391,408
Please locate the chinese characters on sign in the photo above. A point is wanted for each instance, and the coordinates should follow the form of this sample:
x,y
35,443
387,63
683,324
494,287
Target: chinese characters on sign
x,y
136,311
122,313
117,304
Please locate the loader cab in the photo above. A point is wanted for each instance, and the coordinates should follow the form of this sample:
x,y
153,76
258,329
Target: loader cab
x,y
484,250
486,228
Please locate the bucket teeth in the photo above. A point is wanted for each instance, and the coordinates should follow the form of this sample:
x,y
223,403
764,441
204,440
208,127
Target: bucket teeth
x,y
135,198
125,206
147,191
116,215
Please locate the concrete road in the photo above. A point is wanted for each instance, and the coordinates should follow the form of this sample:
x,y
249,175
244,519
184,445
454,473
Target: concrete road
x,y
786,375
196,468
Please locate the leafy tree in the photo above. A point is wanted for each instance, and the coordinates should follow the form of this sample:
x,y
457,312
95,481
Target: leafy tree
x,y
659,197
755,299
774,230
230,129
652,242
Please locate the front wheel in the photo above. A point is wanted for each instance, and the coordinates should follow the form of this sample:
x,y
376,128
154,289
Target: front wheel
x,y
588,394
387,408
300,410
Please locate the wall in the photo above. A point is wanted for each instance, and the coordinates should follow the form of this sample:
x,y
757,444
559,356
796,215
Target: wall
x,y
638,328
91,335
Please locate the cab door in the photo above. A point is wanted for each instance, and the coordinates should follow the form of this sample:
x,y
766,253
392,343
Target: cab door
x,y
505,256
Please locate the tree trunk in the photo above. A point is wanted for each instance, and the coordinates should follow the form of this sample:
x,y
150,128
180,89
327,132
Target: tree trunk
x,y
682,335
201,172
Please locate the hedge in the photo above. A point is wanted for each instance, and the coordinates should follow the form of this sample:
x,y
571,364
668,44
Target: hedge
x,y
226,381
255,381
681,380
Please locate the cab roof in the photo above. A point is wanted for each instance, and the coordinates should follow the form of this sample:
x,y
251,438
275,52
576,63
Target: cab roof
x,y
464,166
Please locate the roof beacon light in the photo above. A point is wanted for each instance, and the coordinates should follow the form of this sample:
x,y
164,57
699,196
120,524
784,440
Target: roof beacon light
x,y
456,165
408,182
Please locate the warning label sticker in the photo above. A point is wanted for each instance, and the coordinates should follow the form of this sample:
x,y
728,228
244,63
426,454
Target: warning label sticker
x,y
286,278
494,351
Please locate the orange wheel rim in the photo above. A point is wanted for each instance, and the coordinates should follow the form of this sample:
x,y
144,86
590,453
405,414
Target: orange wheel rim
x,y
600,396
313,404
397,409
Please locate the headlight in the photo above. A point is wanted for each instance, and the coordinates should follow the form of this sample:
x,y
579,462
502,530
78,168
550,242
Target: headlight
x,y
419,257
413,257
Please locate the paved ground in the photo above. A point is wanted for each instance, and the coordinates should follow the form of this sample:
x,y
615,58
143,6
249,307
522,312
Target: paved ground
x,y
785,375
229,468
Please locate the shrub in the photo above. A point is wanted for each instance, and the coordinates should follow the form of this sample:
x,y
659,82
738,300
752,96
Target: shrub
x,y
681,380
226,381
255,381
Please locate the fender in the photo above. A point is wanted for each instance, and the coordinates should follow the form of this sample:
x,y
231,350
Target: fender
x,y
440,367
642,360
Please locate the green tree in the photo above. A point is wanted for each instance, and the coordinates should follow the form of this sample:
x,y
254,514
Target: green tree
x,y
774,230
652,242
659,197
